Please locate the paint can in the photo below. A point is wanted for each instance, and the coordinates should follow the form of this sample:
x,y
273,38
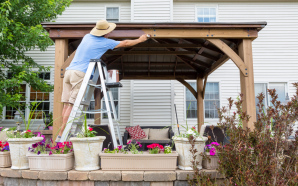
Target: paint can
x,y
113,76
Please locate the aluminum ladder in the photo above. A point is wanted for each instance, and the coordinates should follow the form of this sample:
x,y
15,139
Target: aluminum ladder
x,y
84,96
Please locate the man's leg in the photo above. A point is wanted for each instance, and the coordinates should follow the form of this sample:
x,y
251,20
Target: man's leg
x,y
65,115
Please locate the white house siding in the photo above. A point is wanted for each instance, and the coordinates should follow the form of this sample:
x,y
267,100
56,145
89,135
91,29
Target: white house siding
x,y
151,10
275,51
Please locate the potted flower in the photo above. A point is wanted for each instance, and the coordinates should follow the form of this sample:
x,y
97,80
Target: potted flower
x,y
19,142
86,148
43,157
183,147
157,158
5,160
211,162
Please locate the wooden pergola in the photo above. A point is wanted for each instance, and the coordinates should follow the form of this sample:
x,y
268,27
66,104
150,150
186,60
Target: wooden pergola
x,y
176,51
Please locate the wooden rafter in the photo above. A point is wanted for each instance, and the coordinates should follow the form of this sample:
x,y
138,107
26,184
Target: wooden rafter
x,y
187,85
191,61
232,55
170,45
158,52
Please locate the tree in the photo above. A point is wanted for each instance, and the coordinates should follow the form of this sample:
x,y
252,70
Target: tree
x,y
21,31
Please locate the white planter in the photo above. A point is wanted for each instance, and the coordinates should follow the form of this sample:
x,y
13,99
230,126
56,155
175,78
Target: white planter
x,y
213,164
18,150
5,160
54,162
184,155
86,152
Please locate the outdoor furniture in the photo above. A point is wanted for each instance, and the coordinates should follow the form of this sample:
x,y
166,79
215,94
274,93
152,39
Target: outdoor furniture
x,y
146,142
216,136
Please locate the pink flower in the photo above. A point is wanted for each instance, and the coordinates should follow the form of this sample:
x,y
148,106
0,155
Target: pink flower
x,y
212,152
120,147
128,142
50,153
90,129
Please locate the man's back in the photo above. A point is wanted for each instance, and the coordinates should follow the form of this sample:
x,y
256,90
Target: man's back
x,y
91,47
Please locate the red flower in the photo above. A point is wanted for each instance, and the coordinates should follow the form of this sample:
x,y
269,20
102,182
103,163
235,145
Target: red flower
x,y
160,147
28,131
194,127
90,129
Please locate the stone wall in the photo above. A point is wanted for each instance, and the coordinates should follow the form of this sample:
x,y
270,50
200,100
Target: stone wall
x,y
11,177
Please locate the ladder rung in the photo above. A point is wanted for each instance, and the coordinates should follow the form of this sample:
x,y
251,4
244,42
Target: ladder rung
x,y
95,111
85,103
108,85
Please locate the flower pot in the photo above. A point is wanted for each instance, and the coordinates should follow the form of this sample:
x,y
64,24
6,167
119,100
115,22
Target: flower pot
x,y
18,150
5,160
145,161
86,152
50,127
54,162
212,164
184,155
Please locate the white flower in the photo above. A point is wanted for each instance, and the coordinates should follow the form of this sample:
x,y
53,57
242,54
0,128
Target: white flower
x,y
23,132
190,132
6,129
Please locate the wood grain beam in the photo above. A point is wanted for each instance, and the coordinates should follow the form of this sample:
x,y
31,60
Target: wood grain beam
x,y
200,103
170,45
159,33
188,86
158,52
204,88
232,55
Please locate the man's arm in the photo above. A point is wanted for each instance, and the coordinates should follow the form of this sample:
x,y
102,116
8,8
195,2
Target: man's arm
x,y
128,43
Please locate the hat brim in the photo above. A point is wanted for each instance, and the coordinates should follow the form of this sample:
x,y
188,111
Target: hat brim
x,y
97,32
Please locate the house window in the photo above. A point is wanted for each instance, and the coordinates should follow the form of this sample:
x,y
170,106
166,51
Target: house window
x,y
206,14
115,93
112,14
281,90
31,95
211,101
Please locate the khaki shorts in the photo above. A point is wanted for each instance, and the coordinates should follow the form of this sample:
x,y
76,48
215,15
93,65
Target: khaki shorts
x,y
71,85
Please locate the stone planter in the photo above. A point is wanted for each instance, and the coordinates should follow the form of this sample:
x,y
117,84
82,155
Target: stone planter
x,y
185,157
212,164
54,162
5,160
18,150
86,152
132,162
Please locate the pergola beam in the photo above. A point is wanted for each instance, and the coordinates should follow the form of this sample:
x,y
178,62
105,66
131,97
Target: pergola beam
x,y
142,52
188,86
161,33
232,55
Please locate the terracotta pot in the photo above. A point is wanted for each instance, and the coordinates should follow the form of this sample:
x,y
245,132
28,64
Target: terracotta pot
x,y
18,150
86,152
5,160
54,162
213,164
185,157
145,161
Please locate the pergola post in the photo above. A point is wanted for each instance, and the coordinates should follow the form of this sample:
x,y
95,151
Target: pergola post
x,y
97,97
200,102
247,82
61,54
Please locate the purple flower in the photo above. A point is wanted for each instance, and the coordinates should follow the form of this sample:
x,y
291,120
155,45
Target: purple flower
x,y
48,146
120,147
215,143
38,153
140,145
50,153
1,128
29,148
212,152
34,145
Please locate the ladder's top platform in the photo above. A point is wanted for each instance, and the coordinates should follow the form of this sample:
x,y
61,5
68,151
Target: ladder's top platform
x,y
98,60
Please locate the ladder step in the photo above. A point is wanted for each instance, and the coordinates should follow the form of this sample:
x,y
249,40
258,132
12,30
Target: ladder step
x,y
108,85
85,103
98,111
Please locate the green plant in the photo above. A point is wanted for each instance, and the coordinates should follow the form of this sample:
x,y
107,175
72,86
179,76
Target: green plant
x,y
168,149
155,148
86,131
133,147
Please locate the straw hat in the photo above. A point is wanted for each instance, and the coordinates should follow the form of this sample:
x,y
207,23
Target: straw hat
x,y
102,27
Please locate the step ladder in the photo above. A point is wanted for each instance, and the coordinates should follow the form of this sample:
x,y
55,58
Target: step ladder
x,y
84,96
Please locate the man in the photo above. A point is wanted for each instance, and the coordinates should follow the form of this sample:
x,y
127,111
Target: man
x,y
93,46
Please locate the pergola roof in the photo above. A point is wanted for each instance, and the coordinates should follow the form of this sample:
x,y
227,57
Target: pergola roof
x,y
175,50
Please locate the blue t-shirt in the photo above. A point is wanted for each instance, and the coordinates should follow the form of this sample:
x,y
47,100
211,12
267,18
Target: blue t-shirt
x,y
91,47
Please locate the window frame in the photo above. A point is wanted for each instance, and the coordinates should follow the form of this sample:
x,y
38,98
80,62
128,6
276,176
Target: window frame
x,y
268,87
112,6
27,100
184,103
205,6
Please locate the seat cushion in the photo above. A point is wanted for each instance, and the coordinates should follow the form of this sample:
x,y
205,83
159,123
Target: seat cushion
x,y
147,133
159,134
136,132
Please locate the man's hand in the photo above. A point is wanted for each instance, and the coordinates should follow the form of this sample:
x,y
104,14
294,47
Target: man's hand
x,y
143,38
